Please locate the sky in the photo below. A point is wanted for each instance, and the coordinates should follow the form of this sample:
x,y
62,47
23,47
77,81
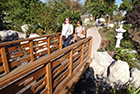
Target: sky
x,y
118,2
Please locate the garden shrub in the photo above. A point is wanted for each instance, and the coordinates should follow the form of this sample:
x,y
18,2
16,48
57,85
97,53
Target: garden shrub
x,y
126,44
111,45
128,56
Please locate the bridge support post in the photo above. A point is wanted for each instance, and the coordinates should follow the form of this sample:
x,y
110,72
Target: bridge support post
x,y
90,44
4,59
82,53
31,50
60,42
48,43
49,78
70,59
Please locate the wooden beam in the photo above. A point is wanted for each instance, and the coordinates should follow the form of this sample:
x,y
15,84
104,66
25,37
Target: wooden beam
x,y
4,59
48,43
60,42
82,53
31,50
49,78
70,65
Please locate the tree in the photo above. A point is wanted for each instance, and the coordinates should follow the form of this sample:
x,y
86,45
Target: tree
x,y
133,17
118,15
111,7
127,5
95,7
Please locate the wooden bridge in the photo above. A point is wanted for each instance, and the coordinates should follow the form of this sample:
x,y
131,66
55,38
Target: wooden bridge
x,y
40,65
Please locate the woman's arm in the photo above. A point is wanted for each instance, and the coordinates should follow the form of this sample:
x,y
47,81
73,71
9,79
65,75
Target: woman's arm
x,y
71,30
83,31
75,34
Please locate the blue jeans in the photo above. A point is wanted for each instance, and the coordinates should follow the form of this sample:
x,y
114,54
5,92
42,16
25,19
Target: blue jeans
x,y
66,43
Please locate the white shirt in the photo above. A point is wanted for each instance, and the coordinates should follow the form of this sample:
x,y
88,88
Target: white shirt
x,y
66,30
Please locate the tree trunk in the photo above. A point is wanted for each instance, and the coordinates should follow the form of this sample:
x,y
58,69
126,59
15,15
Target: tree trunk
x,y
108,21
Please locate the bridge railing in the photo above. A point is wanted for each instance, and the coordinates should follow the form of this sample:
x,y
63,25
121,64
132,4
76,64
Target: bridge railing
x,y
47,74
15,53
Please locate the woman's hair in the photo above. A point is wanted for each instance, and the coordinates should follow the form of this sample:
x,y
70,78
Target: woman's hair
x,y
80,22
67,18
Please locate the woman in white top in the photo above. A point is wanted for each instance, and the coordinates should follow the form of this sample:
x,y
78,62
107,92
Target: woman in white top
x,y
80,32
67,31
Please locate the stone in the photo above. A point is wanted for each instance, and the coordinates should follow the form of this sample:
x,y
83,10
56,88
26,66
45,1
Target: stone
x,y
135,74
100,63
118,72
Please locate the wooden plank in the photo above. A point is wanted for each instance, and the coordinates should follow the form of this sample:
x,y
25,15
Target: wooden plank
x,y
40,48
77,49
77,56
60,42
70,81
18,54
31,51
54,38
17,47
28,39
60,78
41,83
49,78
60,69
4,59
76,63
82,52
54,43
86,54
40,41
60,60
90,46
70,63
1,68
41,53
18,62
54,48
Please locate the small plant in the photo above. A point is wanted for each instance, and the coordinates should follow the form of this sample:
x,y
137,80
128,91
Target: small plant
x,y
127,44
128,56
101,50
132,90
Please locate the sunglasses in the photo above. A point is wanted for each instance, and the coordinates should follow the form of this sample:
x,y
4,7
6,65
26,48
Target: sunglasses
x,y
78,23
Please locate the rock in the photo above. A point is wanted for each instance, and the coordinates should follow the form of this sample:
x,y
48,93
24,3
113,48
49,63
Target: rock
x,y
135,73
118,72
100,63
83,92
103,59
87,74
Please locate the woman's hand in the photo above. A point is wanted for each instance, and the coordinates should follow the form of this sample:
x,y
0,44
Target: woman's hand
x,y
66,36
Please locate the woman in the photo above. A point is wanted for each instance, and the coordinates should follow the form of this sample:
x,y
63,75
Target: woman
x,y
80,32
67,31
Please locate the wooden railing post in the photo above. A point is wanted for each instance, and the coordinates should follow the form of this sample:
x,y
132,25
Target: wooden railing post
x,y
48,43
70,63
31,50
82,52
90,45
60,42
49,78
4,59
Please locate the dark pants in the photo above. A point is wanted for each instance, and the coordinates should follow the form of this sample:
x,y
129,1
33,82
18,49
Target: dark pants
x,y
66,43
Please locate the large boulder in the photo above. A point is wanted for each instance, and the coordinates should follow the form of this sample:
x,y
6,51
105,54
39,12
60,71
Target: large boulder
x,y
118,72
135,74
101,62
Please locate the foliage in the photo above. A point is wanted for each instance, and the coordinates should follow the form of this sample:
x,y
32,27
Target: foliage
x,y
126,44
101,50
111,45
127,5
128,56
39,15
118,16
132,90
95,7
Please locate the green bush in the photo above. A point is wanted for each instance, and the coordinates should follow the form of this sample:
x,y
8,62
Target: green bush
x,y
127,44
126,55
111,46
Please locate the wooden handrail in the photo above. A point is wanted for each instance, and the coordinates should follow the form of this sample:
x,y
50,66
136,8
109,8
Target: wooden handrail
x,y
61,62
14,53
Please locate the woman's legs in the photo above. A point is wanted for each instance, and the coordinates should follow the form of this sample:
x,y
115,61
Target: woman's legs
x,y
66,43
